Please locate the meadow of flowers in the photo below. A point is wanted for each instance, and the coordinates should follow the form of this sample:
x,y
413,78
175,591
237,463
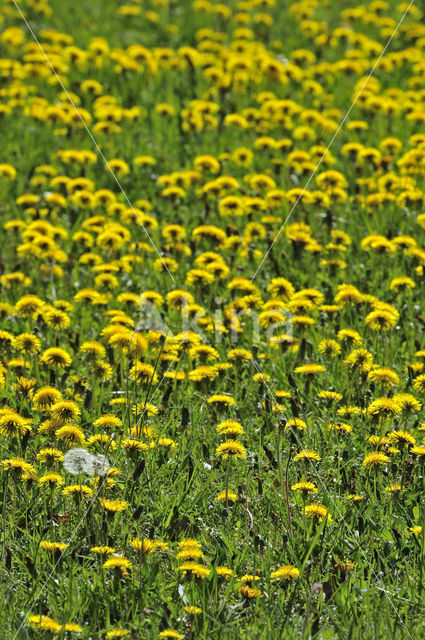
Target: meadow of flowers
x,y
212,360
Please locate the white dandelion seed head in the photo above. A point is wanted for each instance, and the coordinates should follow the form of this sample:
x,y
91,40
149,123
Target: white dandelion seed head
x,y
99,465
82,461
77,461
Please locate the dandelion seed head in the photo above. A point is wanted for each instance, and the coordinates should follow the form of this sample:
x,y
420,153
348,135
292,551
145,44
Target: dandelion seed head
x,y
81,461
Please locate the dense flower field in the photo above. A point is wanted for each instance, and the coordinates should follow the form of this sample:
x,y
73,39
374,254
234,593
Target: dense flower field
x,y
212,277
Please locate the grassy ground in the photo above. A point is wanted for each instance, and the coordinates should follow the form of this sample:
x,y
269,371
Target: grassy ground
x,y
194,287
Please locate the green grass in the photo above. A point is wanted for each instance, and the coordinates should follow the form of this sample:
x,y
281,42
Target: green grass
x,y
360,568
